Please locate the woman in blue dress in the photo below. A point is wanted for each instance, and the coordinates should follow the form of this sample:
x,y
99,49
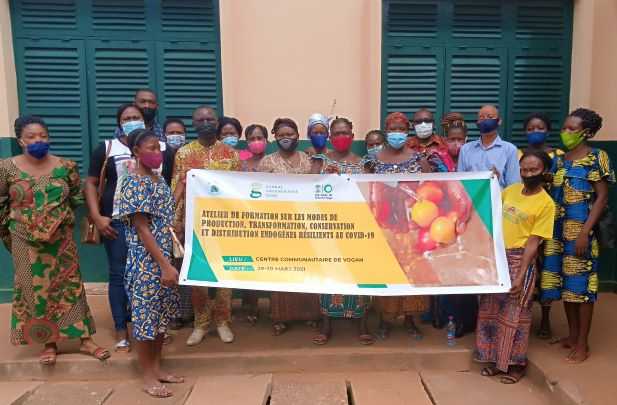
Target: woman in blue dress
x,y
146,206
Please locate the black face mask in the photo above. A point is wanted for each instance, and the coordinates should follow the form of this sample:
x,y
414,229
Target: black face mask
x,y
206,131
149,114
287,144
533,182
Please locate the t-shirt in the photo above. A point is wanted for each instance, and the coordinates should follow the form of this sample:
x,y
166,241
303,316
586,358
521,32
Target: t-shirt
x,y
526,215
119,163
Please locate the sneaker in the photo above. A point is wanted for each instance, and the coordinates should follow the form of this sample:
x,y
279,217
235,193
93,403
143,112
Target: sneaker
x,y
226,335
196,337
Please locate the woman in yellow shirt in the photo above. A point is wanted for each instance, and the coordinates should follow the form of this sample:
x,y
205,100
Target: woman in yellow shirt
x,y
504,320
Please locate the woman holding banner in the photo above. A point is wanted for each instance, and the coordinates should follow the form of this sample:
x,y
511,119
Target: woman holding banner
x,y
341,161
287,160
504,320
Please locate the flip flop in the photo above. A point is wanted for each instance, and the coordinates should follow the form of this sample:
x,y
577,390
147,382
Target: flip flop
x,y
511,378
158,391
252,319
491,371
171,379
279,328
98,353
321,339
366,339
48,356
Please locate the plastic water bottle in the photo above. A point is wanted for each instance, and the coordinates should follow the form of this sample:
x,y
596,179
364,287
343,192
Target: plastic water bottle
x,y
451,329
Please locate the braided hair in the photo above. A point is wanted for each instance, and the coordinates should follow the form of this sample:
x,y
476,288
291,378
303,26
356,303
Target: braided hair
x,y
591,120
339,120
138,137
453,120
25,120
540,116
284,122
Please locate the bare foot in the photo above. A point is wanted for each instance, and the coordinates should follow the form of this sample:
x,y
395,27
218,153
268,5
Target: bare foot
x,y
49,354
578,355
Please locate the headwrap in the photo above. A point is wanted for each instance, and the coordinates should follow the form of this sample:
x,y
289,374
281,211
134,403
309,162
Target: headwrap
x,y
397,117
315,119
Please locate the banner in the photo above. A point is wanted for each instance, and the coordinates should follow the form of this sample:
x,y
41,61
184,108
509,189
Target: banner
x,y
363,234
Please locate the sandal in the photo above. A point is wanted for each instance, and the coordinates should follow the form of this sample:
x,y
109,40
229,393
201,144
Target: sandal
x,y
123,346
252,319
158,391
48,356
171,379
366,339
321,339
490,371
279,328
572,356
98,353
512,377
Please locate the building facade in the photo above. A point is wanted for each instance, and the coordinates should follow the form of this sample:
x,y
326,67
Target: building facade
x,y
74,61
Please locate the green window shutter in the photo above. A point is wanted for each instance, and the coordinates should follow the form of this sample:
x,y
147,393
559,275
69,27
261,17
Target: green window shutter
x,y
118,15
413,78
188,78
543,20
38,16
477,19
411,18
475,77
50,85
116,69
189,17
539,84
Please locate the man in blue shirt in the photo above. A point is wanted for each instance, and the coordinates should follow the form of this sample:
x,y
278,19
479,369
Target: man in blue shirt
x,y
490,152
145,99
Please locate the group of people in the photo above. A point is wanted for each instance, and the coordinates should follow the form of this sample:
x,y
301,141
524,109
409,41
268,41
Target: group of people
x,y
135,193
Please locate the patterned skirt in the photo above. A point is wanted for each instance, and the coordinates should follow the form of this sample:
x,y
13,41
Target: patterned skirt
x,y
343,306
391,308
49,299
504,321
294,306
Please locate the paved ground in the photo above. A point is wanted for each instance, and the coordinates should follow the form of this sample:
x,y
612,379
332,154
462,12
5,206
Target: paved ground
x,y
260,369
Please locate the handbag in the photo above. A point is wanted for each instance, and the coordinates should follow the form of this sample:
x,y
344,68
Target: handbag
x,y
90,234
178,249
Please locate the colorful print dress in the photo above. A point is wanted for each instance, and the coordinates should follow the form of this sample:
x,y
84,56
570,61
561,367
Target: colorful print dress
x,y
337,305
152,304
36,225
565,275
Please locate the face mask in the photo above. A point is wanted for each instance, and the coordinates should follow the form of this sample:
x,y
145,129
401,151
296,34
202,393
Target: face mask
x,y
287,144
536,138
319,141
231,141
454,148
38,150
131,126
206,131
489,125
342,143
374,150
424,130
151,160
257,147
149,114
532,182
396,139
176,140
572,139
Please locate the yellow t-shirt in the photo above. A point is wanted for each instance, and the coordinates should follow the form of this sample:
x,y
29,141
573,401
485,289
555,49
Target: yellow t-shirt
x,y
526,215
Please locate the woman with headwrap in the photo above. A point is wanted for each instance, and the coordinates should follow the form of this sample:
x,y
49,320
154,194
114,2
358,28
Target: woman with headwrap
x,y
317,132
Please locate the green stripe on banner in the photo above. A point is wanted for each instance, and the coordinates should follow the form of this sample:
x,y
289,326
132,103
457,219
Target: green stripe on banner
x,y
199,268
372,286
238,259
480,193
234,267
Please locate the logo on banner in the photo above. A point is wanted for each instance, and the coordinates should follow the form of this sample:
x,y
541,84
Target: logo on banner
x,y
323,191
256,190
214,189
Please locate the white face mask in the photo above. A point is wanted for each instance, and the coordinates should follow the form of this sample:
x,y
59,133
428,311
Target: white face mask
x,y
424,130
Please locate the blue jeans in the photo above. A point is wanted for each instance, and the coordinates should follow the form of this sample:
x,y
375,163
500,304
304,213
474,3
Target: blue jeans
x,y
116,250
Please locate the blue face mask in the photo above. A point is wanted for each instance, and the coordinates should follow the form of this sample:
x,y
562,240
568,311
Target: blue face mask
x,y
175,140
319,141
374,150
536,137
131,126
488,125
396,139
38,150
230,141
